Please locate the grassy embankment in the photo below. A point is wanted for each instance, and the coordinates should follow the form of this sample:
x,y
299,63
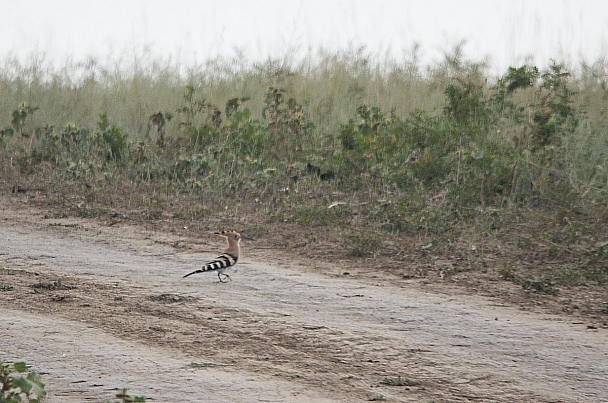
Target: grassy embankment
x,y
418,163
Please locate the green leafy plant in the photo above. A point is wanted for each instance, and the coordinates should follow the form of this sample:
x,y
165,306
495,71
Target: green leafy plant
x,y
114,140
125,397
466,104
20,116
15,388
286,122
201,118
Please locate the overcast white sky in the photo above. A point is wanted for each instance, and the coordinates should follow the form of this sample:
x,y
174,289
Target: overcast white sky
x,y
506,31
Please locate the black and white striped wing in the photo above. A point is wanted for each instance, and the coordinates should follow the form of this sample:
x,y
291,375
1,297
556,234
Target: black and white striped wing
x,y
222,262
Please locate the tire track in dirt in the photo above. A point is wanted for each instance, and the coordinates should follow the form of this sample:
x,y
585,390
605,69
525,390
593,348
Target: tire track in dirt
x,y
83,363
282,325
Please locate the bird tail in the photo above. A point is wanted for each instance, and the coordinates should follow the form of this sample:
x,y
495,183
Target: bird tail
x,y
195,272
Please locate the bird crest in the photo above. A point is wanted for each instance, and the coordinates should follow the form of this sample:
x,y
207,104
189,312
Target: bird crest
x,y
229,234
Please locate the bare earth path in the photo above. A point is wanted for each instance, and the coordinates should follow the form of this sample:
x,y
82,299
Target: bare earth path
x,y
95,308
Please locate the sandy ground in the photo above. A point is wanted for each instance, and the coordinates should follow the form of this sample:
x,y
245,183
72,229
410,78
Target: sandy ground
x,y
94,308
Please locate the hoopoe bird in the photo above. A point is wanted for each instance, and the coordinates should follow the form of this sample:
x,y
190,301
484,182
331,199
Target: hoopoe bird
x,y
225,260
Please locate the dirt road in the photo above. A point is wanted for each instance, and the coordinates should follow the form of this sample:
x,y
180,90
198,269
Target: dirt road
x,y
94,308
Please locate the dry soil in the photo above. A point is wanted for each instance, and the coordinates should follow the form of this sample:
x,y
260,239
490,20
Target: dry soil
x,y
96,307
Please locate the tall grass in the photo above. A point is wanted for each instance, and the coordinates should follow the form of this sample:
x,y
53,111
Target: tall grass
x,y
408,150
331,86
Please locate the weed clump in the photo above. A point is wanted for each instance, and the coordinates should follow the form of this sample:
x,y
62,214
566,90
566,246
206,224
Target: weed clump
x,y
15,388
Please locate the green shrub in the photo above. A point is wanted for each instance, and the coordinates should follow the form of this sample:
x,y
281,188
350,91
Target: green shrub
x,y
15,388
